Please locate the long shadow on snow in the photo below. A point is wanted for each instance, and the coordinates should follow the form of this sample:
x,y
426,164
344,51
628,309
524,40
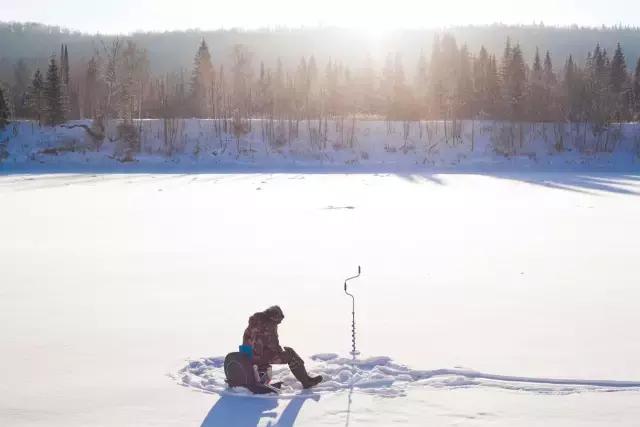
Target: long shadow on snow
x,y
244,411
581,181
587,183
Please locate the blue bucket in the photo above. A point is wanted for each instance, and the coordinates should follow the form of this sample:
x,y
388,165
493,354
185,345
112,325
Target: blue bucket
x,y
246,349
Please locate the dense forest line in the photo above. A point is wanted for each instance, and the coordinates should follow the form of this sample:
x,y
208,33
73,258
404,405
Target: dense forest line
x,y
452,82
172,51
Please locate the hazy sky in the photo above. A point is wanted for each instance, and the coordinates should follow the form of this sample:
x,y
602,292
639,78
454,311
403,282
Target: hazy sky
x,y
109,16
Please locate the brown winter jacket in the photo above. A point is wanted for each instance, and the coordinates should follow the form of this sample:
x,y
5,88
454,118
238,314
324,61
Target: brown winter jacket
x,y
262,335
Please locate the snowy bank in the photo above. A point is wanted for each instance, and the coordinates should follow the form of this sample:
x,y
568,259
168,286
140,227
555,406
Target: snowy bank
x,y
340,146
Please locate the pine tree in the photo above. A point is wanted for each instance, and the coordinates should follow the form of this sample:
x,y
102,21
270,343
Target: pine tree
x,y
421,80
91,89
597,100
312,77
537,102
436,80
400,107
301,87
537,66
618,71
571,87
464,89
449,69
549,76
20,89
387,83
493,87
61,64
552,106
480,68
600,68
507,57
4,110
55,113
398,71
516,83
636,87
506,75
65,69
36,96
201,80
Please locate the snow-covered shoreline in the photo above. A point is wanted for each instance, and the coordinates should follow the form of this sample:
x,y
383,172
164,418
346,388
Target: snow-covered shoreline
x,y
362,146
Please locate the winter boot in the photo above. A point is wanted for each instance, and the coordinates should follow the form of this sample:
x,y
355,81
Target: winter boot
x,y
296,364
300,372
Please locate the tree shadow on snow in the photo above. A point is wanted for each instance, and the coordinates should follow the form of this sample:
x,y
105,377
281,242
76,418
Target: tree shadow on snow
x,y
589,183
626,182
576,182
246,411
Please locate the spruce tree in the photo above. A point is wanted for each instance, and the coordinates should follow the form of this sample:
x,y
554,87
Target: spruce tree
x,y
480,81
20,88
600,68
636,87
36,96
464,89
4,110
54,96
537,102
422,78
537,65
61,62
91,89
572,89
618,71
549,83
398,70
312,71
549,76
493,87
436,86
517,78
506,62
201,80
398,106
505,77
65,68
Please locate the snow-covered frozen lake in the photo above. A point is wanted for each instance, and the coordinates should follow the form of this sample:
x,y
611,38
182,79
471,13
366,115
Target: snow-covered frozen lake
x,y
110,282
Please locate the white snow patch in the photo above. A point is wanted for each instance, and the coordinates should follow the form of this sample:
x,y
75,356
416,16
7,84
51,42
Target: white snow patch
x,y
383,377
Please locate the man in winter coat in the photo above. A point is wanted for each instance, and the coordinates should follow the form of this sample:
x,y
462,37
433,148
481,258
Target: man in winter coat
x,y
262,335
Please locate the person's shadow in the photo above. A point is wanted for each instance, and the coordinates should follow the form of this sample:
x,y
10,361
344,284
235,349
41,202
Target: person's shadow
x,y
243,411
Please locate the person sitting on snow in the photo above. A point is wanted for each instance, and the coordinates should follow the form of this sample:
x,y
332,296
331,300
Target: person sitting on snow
x,y
262,336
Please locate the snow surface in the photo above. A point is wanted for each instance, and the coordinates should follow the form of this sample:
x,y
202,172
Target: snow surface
x,y
479,291
382,377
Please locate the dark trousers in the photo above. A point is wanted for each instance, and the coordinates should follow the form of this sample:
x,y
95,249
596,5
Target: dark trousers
x,y
286,357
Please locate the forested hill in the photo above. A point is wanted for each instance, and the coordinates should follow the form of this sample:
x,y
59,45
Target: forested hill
x,y
170,51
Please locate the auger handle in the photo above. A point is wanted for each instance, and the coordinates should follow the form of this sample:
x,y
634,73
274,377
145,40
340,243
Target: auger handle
x,y
353,313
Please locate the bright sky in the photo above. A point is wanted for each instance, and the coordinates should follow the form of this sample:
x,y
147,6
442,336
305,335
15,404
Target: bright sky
x,y
124,16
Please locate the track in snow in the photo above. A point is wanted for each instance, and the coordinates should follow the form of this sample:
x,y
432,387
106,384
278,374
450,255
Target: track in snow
x,y
381,376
